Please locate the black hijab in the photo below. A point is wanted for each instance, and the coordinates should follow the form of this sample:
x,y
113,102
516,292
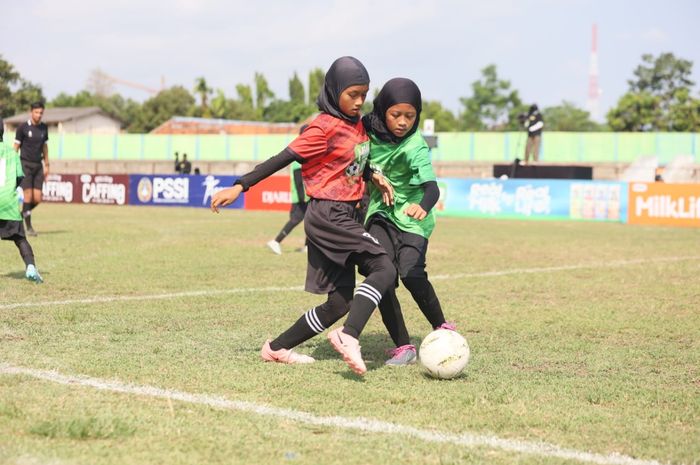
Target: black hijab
x,y
395,91
343,73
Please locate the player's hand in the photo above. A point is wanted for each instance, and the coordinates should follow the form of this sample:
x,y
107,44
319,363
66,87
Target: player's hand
x,y
46,170
415,211
384,187
225,197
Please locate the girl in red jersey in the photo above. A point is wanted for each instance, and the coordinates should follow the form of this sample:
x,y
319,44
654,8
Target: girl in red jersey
x,y
333,152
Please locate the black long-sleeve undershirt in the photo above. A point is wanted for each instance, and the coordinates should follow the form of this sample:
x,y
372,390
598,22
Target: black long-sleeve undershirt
x,y
268,168
431,195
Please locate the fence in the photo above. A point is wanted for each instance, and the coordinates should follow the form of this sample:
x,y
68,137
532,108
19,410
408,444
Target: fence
x,y
557,147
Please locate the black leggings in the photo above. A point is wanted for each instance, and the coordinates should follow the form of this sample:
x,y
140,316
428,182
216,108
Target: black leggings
x,y
25,250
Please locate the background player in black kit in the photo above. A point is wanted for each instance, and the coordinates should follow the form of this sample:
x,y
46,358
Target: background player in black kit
x,y
333,152
30,141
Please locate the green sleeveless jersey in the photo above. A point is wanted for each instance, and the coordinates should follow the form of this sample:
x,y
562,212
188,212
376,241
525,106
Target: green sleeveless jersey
x,y
10,170
406,165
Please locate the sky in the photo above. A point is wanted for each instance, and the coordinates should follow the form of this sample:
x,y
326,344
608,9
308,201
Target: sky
x,y
541,46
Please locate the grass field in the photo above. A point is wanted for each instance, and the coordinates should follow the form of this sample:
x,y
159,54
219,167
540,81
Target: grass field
x,y
142,347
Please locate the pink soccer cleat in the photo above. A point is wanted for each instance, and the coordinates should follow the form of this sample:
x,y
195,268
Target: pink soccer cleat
x,y
449,326
283,355
349,348
402,355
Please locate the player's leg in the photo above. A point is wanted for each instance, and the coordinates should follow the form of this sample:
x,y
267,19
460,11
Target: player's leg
x,y
28,188
27,254
380,276
296,216
412,257
313,322
404,352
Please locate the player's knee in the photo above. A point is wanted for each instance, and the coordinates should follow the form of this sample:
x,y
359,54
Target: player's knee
x,y
337,306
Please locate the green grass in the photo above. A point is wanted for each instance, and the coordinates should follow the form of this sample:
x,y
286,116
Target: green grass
x,y
602,359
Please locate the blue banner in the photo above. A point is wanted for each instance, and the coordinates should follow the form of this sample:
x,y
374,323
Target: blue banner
x,y
534,198
178,191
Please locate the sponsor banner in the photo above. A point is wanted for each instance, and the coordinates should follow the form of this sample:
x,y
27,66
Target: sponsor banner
x,y
272,193
598,201
61,188
535,199
183,191
664,204
105,189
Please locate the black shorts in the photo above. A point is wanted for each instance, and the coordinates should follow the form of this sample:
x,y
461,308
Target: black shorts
x,y
333,235
33,176
407,250
9,229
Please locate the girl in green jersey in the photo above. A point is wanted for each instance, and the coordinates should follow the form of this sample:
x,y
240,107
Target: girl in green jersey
x,y
400,153
11,227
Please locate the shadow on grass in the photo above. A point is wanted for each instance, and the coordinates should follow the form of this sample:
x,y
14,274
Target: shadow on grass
x,y
45,233
374,351
20,275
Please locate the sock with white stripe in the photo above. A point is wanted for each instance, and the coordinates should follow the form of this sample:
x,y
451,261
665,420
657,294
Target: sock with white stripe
x,y
316,320
367,297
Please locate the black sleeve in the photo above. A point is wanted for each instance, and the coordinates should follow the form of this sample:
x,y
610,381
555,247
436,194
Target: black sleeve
x,y
2,129
267,168
19,181
299,184
19,135
367,173
430,196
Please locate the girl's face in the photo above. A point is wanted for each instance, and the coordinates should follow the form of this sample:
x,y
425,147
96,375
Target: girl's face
x,y
400,118
352,98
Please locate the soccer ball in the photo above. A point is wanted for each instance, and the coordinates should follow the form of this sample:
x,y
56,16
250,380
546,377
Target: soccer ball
x,y
444,354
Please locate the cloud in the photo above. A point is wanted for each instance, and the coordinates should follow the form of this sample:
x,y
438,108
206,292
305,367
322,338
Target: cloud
x,y
655,35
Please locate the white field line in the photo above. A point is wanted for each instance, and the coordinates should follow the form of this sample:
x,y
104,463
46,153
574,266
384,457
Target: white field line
x,y
442,277
358,423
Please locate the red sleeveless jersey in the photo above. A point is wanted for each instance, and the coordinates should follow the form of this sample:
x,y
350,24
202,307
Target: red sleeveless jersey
x,y
335,152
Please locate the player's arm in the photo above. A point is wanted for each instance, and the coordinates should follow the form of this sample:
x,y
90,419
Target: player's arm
x,y
265,169
19,137
45,154
431,195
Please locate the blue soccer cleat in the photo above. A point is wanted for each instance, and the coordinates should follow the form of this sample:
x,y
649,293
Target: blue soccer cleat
x,y
32,274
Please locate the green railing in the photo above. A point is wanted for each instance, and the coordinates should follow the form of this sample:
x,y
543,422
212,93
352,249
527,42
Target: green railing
x,y
557,147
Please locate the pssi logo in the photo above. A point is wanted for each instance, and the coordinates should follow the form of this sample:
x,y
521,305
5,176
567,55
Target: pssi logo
x,y
171,190
144,191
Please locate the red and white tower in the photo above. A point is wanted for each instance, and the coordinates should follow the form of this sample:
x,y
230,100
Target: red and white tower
x,y
593,104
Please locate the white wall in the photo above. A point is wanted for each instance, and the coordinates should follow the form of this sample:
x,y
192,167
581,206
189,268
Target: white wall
x,y
93,124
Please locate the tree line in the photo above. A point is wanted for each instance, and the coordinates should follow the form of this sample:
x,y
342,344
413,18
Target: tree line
x,y
659,98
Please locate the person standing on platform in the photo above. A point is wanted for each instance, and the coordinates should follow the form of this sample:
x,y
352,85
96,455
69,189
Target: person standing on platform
x,y
534,124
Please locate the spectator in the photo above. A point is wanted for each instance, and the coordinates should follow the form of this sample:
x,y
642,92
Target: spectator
x,y
184,167
534,124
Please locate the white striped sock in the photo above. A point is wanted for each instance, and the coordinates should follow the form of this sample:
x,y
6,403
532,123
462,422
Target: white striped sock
x,y
369,290
313,321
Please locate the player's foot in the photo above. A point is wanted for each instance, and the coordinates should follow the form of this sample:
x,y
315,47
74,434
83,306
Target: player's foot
x,y
275,247
32,274
349,348
402,355
283,355
31,232
448,325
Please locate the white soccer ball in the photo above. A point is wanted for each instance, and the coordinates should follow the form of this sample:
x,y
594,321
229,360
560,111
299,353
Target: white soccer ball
x,y
444,354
